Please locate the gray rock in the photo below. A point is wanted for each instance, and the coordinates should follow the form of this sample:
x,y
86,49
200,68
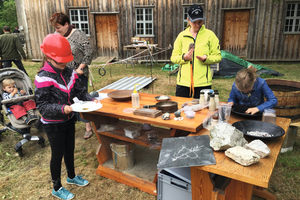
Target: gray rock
x,y
242,156
258,147
224,136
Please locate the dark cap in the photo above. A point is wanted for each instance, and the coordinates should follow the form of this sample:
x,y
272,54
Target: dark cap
x,y
195,13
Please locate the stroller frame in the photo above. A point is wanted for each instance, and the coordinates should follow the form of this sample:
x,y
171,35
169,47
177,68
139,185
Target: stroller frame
x,y
23,82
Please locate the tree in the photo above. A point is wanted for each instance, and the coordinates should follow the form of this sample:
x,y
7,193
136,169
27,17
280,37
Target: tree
x,y
8,14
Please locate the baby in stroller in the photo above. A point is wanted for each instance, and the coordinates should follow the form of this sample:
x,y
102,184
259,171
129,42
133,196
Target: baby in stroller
x,y
16,123
22,109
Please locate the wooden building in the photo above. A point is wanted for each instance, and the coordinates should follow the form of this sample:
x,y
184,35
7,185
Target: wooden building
x,y
259,30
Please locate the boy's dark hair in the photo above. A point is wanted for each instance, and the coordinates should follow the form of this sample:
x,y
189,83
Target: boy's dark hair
x,y
59,18
6,28
245,79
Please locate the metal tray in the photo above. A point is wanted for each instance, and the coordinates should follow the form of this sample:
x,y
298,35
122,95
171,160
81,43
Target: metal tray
x,y
251,125
241,109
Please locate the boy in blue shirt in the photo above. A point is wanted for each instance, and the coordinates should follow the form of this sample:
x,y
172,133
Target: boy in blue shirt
x,y
249,89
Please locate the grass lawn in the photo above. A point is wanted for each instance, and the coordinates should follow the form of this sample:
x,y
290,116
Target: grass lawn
x,y
29,178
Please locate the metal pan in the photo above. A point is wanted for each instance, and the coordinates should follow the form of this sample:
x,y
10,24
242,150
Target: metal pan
x,y
121,95
165,106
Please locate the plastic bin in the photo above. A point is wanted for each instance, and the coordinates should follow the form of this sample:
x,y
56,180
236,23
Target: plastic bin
x,y
174,184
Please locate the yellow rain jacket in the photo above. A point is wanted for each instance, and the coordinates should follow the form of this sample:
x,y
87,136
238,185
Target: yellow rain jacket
x,y
206,43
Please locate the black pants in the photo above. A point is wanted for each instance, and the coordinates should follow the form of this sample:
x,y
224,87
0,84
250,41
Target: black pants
x,y
182,91
62,142
19,64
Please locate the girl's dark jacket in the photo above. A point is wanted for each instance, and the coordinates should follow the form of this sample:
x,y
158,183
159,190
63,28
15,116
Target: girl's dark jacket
x,y
54,90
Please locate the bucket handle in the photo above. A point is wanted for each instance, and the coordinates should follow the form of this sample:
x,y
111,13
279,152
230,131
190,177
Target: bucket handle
x,y
120,153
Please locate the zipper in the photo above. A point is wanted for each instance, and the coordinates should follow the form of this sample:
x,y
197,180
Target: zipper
x,y
67,89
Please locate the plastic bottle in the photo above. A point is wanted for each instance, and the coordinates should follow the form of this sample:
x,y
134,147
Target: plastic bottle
x,y
212,103
202,98
135,98
217,99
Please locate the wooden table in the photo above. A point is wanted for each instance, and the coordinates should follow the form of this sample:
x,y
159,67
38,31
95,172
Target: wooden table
x,y
112,113
130,49
245,181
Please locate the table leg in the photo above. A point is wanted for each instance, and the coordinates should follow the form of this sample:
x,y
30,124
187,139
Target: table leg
x,y
202,188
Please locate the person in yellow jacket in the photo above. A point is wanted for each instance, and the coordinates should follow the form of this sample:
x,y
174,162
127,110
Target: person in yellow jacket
x,y
195,49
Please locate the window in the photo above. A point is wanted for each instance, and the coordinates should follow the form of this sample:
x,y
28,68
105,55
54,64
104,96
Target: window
x,y
292,20
79,18
144,21
185,21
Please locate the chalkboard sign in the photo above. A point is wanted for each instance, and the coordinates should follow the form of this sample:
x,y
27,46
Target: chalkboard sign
x,y
185,152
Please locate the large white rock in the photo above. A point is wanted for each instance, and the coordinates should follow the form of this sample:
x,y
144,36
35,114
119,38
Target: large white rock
x,y
242,156
224,136
258,147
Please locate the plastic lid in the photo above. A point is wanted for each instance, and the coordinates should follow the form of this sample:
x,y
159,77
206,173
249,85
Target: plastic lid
x,y
201,92
212,95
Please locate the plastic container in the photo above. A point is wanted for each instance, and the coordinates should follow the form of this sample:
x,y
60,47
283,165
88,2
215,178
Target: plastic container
x,y
202,98
217,100
269,115
212,103
224,112
135,98
174,184
189,114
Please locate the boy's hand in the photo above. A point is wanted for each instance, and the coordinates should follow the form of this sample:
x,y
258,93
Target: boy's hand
x,y
23,92
68,109
96,101
14,92
252,111
230,103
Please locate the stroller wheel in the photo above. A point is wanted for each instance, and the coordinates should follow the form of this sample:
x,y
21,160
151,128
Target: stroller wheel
x,y
41,143
20,152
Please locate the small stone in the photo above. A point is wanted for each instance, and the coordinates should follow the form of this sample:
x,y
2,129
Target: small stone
x,y
242,156
177,113
258,147
166,116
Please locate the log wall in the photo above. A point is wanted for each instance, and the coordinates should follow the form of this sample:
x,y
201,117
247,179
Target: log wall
x,y
265,41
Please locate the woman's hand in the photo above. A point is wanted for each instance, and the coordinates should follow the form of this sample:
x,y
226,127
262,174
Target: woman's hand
x,y
202,58
79,71
23,92
252,111
68,109
188,55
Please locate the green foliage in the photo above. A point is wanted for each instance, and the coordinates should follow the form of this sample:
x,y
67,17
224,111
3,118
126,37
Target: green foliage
x,y
8,14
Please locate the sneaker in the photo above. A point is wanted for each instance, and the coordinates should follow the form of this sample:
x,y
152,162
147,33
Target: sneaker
x,y
33,117
77,180
27,121
62,193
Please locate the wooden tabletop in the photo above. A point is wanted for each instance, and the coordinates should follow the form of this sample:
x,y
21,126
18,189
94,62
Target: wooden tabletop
x,y
257,174
115,109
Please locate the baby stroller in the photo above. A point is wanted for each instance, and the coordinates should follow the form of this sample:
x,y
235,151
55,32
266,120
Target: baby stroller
x,y
23,82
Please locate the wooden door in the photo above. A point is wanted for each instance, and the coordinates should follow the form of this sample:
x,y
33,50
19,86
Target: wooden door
x,y
107,35
235,32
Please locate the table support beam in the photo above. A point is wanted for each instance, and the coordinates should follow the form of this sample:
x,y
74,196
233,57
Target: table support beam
x,y
202,188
